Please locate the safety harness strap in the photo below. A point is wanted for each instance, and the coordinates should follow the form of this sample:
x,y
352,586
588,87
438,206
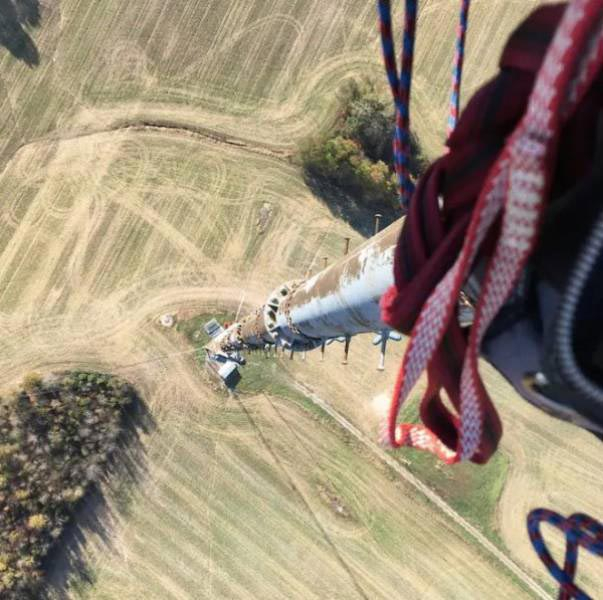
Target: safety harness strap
x,y
499,224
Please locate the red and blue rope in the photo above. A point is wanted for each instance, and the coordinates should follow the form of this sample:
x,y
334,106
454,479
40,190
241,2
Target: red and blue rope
x,y
401,84
457,70
580,531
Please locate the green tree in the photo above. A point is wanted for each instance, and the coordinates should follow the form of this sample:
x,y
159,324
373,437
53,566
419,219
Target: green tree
x,y
356,154
54,441
368,123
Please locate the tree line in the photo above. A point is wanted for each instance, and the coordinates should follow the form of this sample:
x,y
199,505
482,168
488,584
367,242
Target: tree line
x,y
56,436
356,154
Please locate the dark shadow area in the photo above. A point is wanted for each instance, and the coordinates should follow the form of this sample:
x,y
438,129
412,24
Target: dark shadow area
x,y
335,169
418,162
359,215
15,17
66,565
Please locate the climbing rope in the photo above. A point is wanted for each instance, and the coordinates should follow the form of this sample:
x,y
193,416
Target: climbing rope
x,y
580,531
457,70
482,202
401,85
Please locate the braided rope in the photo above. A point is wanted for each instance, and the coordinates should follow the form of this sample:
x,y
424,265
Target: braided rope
x,y
580,531
516,187
457,70
401,85
514,194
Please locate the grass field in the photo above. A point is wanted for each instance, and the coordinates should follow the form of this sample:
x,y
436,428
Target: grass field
x,y
104,228
550,463
474,491
262,501
266,483
98,251
264,70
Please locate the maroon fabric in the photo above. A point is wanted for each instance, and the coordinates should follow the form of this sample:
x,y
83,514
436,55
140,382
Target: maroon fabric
x,y
432,236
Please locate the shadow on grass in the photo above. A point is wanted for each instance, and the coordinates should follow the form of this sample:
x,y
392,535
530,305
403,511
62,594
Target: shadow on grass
x,y
66,566
15,17
358,215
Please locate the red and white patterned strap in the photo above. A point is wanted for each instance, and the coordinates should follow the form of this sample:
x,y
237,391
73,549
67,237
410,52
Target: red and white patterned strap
x,y
517,185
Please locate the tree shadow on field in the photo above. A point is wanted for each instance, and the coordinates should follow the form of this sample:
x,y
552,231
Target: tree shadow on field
x,y
15,17
357,214
66,567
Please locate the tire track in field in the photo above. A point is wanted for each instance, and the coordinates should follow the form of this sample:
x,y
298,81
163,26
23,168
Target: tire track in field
x,y
165,126
441,504
295,487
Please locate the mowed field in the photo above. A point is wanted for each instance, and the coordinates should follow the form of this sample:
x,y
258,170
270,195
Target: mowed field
x,y
551,464
265,502
98,249
263,70
107,224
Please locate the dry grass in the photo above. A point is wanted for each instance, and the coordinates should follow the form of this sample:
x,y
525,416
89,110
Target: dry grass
x,y
263,70
551,464
114,231
242,503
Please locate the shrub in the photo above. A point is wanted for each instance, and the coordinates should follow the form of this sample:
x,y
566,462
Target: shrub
x,y
356,154
37,521
341,162
368,123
